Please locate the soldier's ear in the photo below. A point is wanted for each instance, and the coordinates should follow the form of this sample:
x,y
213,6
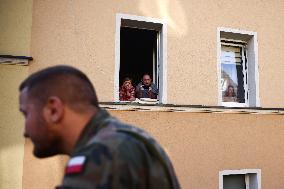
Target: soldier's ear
x,y
53,110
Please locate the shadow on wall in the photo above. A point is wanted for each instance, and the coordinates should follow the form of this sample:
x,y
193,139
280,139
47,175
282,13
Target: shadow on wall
x,y
169,10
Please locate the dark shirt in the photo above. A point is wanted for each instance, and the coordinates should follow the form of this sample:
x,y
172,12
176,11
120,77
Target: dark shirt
x,y
110,154
143,91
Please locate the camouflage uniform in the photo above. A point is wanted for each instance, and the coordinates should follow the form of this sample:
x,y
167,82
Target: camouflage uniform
x,y
116,155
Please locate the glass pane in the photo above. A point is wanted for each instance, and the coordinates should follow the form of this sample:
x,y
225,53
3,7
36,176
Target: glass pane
x,y
234,182
232,78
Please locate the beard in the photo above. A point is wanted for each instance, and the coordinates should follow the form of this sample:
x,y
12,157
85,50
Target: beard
x,y
46,144
46,150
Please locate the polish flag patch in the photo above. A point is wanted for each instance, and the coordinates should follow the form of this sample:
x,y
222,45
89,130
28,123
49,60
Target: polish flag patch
x,y
75,165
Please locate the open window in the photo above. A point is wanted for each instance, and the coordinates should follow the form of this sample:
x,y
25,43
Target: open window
x,y
240,179
238,70
138,54
140,49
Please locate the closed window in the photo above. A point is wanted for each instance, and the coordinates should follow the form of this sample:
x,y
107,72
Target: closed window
x,y
238,68
234,84
240,179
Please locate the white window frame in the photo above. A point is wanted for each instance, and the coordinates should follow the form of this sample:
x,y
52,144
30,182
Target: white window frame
x,y
252,66
251,182
162,53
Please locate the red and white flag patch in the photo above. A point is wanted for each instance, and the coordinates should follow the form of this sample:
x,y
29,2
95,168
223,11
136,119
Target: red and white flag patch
x,y
75,165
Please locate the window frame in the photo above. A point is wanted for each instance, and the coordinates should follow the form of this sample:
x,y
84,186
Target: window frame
x,y
144,23
252,65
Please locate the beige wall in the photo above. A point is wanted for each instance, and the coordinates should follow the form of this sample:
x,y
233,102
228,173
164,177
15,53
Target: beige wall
x,y
41,173
11,127
82,33
198,150
15,35
15,27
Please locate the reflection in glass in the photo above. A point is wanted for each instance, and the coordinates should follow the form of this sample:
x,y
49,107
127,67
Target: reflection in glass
x,y
232,77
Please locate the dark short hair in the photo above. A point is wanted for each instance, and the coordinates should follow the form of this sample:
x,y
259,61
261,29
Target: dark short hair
x,y
71,85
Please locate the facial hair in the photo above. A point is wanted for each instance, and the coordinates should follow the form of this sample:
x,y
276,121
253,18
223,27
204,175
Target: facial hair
x,y
48,143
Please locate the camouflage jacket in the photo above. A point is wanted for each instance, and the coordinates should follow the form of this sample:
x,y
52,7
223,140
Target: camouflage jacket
x,y
110,154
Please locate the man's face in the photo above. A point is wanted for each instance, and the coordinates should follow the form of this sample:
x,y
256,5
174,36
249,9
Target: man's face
x,y
146,80
36,128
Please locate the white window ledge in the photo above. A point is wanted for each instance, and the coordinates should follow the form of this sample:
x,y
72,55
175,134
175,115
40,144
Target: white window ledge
x,y
130,106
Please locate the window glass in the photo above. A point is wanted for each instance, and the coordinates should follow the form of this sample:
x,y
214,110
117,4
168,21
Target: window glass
x,y
238,82
232,74
234,182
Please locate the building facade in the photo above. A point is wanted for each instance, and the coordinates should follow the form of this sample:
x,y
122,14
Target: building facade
x,y
217,64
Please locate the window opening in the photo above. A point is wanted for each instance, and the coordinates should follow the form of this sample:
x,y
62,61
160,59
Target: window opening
x,y
140,49
138,54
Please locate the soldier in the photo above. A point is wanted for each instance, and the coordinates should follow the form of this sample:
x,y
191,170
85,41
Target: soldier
x,y
62,116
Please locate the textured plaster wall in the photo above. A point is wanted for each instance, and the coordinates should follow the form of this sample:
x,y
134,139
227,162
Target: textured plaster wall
x,y
15,27
198,150
200,145
41,173
11,127
15,36
82,34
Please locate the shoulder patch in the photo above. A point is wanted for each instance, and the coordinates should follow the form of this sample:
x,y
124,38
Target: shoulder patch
x,y
75,165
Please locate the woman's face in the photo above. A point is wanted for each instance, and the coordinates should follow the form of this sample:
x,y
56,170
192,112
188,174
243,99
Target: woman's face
x,y
230,91
127,84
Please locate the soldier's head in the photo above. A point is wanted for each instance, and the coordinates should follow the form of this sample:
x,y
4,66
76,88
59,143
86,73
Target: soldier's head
x,y
46,97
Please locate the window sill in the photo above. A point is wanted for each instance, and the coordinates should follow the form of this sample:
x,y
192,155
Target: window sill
x,y
234,104
132,106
